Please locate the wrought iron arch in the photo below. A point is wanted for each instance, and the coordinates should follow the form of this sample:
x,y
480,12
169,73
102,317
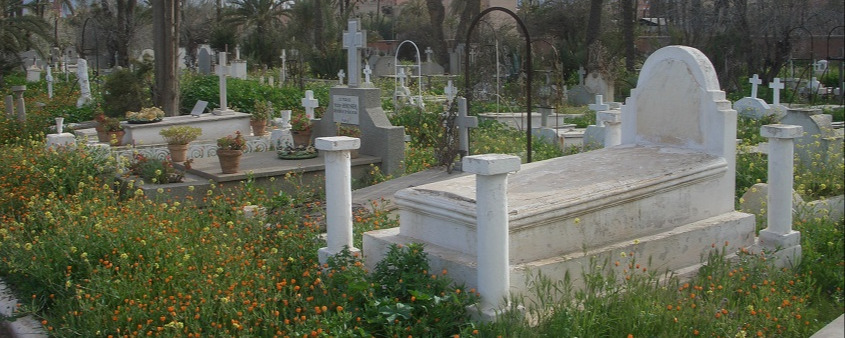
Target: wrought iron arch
x,y
527,68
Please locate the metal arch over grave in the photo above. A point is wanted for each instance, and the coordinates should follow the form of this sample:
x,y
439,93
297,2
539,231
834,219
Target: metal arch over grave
x,y
527,68
397,68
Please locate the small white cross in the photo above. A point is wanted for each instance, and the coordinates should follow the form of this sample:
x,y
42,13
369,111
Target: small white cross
x,y
755,81
581,73
309,103
777,86
340,75
451,91
599,106
428,52
367,73
402,77
464,122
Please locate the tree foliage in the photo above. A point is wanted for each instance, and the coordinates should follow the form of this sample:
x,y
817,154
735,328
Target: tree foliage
x,y
18,32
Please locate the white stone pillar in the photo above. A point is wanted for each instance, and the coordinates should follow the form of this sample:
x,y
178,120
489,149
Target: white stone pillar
x,y
492,227
338,193
779,233
20,102
612,127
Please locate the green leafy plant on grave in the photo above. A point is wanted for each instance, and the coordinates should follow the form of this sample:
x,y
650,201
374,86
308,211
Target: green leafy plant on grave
x,y
180,134
123,92
155,171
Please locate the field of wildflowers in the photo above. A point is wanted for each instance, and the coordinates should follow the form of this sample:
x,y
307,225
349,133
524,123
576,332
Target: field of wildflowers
x,y
90,260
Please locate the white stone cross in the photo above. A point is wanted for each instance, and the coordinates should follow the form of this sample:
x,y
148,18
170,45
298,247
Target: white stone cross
x,y
598,107
353,41
451,91
428,52
755,81
340,75
777,86
464,122
222,71
309,103
367,73
581,73
401,77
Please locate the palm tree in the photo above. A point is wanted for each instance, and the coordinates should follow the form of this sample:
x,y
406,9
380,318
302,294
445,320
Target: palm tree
x,y
18,33
260,19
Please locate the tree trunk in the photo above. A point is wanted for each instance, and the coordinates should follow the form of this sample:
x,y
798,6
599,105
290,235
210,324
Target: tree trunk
x,y
471,9
628,8
126,30
437,14
594,22
166,45
318,26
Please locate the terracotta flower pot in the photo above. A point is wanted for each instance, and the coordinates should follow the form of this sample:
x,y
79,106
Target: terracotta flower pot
x,y
115,138
178,152
302,138
230,160
259,127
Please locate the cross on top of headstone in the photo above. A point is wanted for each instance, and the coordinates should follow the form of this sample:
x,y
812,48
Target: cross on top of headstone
x,y
464,122
340,76
367,73
353,41
309,103
428,53
777,86
237,52
402,76
451,91
755,81
581,73
598,107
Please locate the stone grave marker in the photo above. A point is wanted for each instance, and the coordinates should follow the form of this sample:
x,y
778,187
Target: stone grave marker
x,y
222,72
204,59
580,95
309,103
238,67
84,86
353,41
464,122
596,83
199,108
340,75
594,134
49,79
819,142
751,106
666,193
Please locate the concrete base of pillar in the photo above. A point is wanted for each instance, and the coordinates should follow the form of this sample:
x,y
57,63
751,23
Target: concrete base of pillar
x,y
324,253
771,240
489,315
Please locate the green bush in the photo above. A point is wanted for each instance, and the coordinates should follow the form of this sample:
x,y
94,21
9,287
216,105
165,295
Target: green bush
x,y
123,92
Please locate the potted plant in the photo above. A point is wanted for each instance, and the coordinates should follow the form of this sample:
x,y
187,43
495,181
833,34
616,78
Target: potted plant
x,y
177,138
261,112
102,136
114,130
229,151
301,129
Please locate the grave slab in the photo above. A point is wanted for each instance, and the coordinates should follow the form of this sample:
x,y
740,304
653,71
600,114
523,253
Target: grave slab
x,y
213,127
666,192
752,107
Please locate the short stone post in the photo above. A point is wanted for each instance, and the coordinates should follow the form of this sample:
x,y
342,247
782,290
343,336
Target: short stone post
x,y
21,103
338,193
779,233
612,127
493,255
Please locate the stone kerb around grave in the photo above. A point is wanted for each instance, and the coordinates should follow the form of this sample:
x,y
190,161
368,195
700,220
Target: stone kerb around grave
x,y
379,137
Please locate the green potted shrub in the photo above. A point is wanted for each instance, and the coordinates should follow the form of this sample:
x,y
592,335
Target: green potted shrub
x,y
229,151
178,138
261,112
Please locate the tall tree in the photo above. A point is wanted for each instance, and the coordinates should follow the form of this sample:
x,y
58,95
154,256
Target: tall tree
x,y
437,14
594,22
471,8
18,32
166,20
260,19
